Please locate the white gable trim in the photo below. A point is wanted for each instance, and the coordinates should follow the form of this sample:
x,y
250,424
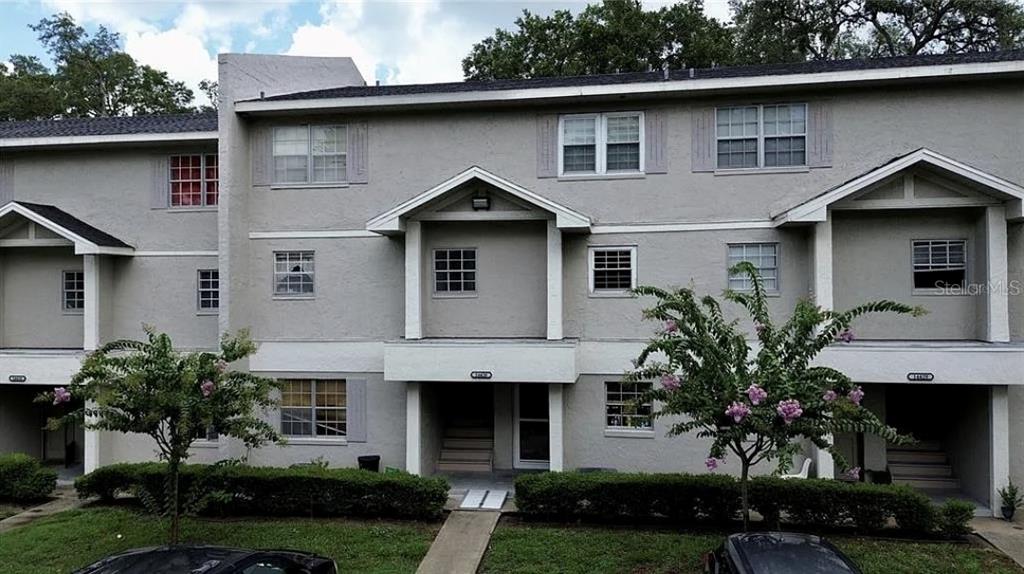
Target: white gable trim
x,y
815,209
82,245
392,221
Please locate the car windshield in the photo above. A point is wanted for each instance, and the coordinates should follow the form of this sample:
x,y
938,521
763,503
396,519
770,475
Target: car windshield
x,y
778,554
167,561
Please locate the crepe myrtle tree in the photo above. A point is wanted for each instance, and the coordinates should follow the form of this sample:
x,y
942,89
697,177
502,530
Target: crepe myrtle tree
x,y
147,387
755,403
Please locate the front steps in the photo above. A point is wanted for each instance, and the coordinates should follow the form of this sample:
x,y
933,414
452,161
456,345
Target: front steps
x,y
467,449
923,465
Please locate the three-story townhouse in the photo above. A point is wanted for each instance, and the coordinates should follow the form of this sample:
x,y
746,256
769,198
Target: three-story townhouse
x,y
440,273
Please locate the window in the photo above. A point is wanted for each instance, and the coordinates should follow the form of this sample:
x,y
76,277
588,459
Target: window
x,y
623,409
761,136
310,154
210,434
612,269
73,291
194,180
601,143
763,256
208,290
455,272
293,274
314,408
940,263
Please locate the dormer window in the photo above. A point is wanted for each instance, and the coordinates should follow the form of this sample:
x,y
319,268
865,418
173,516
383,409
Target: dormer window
x,y
600,144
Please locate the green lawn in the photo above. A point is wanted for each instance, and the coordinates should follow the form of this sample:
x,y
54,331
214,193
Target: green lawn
x,y
522,549
75,538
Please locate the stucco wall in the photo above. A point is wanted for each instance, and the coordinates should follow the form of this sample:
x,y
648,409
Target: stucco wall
x,y
32,311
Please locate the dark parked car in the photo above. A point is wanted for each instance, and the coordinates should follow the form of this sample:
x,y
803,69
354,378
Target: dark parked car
x,y
211,560
777,553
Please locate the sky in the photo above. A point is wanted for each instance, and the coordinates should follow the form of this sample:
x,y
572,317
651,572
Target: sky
x,y
391,41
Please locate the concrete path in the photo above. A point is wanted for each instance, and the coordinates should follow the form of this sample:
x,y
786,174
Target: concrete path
x,y
1008,537
66,500
461,543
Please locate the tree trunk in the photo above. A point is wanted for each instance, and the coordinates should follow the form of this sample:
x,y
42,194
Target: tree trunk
x,y
173,470
744,476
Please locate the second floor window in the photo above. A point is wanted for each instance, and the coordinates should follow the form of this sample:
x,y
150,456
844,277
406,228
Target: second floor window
x,y
454,272
940,263
73,291
310,154
209,290
761,136
294,274
763,256
601,143
314,408
612,269
194,180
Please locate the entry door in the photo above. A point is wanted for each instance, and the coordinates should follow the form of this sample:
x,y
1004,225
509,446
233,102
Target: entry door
x,y
532,447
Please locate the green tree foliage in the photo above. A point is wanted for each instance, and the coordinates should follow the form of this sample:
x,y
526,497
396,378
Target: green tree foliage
x,y
91,77
149,388
754,403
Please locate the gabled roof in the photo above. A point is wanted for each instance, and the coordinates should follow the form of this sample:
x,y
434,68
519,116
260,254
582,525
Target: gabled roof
x,y
77,131
87,239
815,208
392,221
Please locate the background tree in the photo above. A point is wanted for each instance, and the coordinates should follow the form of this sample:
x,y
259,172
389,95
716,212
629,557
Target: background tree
x,y
755,404
27,90
172,397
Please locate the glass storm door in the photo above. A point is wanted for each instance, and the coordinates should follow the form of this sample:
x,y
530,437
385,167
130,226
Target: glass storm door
x,y
532,446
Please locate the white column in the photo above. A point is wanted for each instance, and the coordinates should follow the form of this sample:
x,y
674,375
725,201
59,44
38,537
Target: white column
x,y
999,443
997,291
412,427
413,280
824,466
92,445
554,281
91,313
556,420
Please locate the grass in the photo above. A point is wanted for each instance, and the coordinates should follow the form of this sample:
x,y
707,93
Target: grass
x,y
535,549
76,538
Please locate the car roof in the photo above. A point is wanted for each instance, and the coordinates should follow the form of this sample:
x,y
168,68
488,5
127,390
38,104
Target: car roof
x,y
190,559
788,553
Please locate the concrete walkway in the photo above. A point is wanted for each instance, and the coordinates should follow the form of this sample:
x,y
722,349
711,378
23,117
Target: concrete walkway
x,y
1008,537
66,500
461,543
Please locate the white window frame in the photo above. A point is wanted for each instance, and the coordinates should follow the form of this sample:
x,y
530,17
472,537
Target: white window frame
x,y
309,157
601,144
275,274
203,182
778,265
761,137
454,294
313,410
592,251
64,292
934,290
200,310
635,393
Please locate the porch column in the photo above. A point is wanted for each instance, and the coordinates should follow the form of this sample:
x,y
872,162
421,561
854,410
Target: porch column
x,y
824,466
91,313
554,281
999,442
556,418
412,427
413,281
997,305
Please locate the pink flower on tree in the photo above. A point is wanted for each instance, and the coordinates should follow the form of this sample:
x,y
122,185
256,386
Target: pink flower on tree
x,y
759,328
712,464
829,396
670,382
670,326
756,394
856,395
738,411
789,410
207,388
846,336
61,395
221,365
853,473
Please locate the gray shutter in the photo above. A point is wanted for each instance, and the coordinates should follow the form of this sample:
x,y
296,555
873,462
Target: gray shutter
x,y
656,134
547,145
356,410
702,147
358,146
262,162
6,181
159,194
819,134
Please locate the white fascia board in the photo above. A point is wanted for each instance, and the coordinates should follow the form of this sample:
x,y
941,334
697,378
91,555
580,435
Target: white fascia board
x,y
638,88
390,221
59,141
82,245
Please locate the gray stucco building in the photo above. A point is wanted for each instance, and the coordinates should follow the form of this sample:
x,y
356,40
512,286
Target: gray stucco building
x,y
440,272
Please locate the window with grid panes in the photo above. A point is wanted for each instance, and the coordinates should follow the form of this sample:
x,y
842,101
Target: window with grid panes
x,y
612,268
623,407
763,256
310,154
73,291
940,263
601,143
761,136
294,274
314,408
208,289
194,180
454,271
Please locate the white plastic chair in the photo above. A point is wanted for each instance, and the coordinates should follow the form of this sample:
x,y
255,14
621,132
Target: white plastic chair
x,y
804,470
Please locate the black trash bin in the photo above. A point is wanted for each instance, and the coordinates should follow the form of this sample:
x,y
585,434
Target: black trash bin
x,y
370,462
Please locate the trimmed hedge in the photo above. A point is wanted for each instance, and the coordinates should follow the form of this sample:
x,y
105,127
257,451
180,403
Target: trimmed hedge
x,y
687,499
24,479
268,491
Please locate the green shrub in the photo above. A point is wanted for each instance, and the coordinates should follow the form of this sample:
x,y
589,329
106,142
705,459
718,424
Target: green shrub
x,y
682,499
954,518
267,491
24,479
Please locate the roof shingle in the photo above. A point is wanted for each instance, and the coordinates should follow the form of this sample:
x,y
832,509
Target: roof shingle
x,y
159,124
74,225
